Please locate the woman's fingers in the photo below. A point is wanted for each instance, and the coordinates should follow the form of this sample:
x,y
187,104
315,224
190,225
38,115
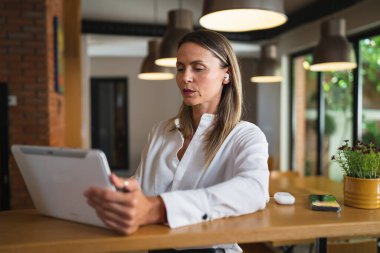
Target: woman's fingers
x,y
116,216
118,182
121,229
105,195
127,185
132,185
109,215
122,210
113,221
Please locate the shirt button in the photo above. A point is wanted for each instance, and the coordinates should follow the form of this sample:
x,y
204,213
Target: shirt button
x,y
204,217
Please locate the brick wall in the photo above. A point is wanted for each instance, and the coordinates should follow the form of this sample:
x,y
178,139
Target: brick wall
x,y
27,66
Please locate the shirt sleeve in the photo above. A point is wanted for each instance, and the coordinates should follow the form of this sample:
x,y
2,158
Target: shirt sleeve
x,y
246,192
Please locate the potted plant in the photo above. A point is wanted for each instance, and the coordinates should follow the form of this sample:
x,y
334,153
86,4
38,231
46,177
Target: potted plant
x,y
361,166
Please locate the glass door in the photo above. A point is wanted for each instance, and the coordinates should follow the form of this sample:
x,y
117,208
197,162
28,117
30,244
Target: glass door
x,y
109,120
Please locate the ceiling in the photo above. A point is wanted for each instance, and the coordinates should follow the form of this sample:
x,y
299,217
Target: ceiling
x,y
123,27
143,11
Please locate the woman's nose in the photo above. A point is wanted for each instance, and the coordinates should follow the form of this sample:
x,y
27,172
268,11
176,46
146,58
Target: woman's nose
x,y
187,76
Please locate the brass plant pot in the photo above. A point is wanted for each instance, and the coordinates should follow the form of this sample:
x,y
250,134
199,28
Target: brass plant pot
x,y
361,192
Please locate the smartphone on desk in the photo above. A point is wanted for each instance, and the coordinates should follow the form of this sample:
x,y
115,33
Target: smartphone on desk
x,y
324,203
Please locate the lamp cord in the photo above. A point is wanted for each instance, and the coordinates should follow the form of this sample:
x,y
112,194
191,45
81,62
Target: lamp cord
x,y
155,11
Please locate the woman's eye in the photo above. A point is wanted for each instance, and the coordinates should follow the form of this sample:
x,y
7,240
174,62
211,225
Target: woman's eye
x,y
199,68
179,69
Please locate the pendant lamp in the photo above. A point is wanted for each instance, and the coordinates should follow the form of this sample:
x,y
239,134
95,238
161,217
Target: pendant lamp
x,y
180,23
333,52
268,70
149,70
242,15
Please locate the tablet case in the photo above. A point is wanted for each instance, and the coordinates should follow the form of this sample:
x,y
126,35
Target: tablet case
x,y
56,179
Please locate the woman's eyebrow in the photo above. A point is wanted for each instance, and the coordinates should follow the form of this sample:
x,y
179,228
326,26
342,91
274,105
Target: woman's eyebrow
x,y
191,63
196,61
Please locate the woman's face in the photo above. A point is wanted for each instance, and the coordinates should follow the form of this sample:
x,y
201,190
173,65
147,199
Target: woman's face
x,y
199,77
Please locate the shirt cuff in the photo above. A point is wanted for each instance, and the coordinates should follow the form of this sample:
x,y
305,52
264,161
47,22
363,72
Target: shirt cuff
x,y
186,207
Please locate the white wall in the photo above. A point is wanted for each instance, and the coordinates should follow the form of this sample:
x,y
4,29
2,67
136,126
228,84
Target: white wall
x,y
247,67
359,17
149,101
268,116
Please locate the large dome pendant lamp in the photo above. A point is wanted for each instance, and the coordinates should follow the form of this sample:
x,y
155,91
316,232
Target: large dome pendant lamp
x,y
149,70
242,15
333,52
268,69
180,23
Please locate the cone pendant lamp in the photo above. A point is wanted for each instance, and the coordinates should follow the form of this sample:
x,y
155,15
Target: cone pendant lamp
x,y
268,70
180,23
151,71
333,52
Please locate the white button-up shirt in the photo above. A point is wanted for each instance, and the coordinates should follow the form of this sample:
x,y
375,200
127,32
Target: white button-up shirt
x,y
236,182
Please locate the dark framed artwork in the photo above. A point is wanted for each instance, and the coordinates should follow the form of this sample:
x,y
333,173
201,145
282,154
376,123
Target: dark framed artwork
x,y
58,56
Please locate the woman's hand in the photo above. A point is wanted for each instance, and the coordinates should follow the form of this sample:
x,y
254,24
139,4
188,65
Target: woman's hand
x,y
125,211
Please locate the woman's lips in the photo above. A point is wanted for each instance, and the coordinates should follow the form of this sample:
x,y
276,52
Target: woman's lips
x,y
188,92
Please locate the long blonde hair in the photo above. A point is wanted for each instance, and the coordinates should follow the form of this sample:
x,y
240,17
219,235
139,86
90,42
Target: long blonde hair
x,y
229,110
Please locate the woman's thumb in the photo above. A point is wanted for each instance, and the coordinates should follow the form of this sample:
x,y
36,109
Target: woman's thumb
x,y
128,185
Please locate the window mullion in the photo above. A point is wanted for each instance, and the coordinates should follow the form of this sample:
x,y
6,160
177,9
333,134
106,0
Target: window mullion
x,y
320,123
357,93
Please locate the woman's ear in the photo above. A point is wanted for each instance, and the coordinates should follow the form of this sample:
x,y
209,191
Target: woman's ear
x,y
226,79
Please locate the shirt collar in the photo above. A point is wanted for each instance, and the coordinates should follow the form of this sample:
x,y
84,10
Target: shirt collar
x,y
206,120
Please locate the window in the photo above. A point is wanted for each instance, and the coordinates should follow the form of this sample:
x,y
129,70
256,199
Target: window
x,y
370,76
326,107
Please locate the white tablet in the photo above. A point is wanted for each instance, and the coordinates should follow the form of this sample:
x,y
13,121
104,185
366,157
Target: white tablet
x,y
57,178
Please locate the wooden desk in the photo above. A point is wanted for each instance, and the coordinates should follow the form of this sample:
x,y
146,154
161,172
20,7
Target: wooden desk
x,y
26,231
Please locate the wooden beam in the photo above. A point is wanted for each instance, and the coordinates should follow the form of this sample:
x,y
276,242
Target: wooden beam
x,y
73,85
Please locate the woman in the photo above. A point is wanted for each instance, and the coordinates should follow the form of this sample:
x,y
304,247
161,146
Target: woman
x,y
202,165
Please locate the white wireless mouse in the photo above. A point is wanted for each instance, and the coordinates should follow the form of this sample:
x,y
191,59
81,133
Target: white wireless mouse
x,y
284,198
